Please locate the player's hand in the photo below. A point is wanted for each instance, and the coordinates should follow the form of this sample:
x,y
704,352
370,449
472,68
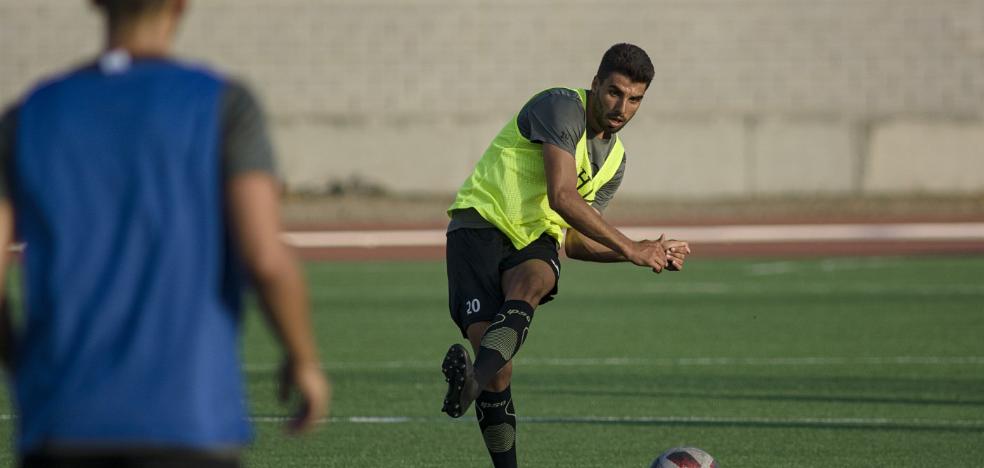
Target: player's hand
x,y
676,253
649,253
314,389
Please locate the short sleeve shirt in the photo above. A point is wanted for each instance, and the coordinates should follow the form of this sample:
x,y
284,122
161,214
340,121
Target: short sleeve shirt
x,y
246,143
556,116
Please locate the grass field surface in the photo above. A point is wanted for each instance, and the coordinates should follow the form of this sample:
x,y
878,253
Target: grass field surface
x,y
763,363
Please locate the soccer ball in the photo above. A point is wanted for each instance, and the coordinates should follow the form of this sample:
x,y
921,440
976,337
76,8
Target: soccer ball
x,y
684,457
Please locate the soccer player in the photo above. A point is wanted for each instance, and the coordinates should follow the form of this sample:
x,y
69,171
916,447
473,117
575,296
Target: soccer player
x,y
554,166
144,190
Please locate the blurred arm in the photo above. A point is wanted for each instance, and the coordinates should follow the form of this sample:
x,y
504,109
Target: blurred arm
x,y
6,321
7,124
255,216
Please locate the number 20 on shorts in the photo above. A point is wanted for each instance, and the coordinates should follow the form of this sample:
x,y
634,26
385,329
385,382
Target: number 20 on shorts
x,y
472,306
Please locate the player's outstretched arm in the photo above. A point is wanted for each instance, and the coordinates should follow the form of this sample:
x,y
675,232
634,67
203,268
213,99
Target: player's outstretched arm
x,y
561,174
6,321
581,247
254,211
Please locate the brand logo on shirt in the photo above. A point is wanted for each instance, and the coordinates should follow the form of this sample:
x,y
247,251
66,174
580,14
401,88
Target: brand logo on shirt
x,y
583,178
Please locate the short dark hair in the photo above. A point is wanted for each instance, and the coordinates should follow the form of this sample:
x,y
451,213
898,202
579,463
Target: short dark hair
x,y
118,11
629,60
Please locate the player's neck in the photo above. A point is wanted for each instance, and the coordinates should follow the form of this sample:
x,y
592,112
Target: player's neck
x,y
151,37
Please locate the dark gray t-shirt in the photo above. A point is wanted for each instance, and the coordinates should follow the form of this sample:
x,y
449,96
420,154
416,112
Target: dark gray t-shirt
x,y
555,116
245,141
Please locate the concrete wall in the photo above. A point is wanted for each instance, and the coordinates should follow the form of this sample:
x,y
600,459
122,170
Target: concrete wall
x,y
926,157
751,97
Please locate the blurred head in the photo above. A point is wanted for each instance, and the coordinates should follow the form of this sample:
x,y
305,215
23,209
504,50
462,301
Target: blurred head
x,y
127,20
123,11
618,88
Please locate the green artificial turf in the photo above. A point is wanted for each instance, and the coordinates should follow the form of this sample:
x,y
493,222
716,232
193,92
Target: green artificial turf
x,y
763,363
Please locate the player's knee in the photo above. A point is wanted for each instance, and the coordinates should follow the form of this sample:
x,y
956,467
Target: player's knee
x,y
529,282
501,380
531,290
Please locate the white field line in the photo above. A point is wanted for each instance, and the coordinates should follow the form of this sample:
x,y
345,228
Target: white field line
x,y
971,424
806,289
818,232
826,266
814,422
697,234
708,234
665,362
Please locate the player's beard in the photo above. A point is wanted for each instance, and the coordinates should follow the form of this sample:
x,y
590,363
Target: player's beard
x,y
620,122
601,118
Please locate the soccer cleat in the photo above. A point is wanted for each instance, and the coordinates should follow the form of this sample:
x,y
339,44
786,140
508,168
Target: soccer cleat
x,y
460,376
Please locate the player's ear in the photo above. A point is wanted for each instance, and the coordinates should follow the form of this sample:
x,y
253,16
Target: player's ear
x,y
595,83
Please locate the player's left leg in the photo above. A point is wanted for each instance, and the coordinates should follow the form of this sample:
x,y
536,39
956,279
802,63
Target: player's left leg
x,y
494,408
495,344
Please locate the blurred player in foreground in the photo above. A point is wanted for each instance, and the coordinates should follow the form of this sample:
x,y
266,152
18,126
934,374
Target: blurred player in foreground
x,y
145,192
556,165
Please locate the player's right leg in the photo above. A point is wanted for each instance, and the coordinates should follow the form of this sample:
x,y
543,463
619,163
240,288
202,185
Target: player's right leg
x,y
529,278
494,408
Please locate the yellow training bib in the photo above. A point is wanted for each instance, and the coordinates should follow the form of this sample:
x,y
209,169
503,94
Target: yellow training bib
x,y
509,187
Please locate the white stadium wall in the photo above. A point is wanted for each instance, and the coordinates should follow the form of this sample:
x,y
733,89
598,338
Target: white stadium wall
x,y
751,97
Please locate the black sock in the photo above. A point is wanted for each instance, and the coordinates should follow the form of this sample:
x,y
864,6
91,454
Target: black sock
x,y
502,340
497,420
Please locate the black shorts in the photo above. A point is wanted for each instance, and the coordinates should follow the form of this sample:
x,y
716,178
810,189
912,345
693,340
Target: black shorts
x,y
476,259
131,459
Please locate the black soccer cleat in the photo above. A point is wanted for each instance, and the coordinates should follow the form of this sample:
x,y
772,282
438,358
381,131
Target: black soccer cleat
x,y
460,376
